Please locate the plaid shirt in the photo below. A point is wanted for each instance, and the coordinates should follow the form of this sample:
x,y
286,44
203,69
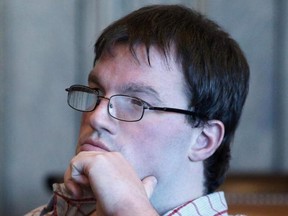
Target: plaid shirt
x,y
62,204
212,204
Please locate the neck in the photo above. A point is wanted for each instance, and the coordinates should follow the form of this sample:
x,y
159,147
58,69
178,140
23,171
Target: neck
x,y
176,190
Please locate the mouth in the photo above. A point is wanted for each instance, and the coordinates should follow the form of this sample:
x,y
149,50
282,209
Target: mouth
x,y
90,145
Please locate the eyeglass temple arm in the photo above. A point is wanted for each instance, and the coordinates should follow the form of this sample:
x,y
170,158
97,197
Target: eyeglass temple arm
x,y
167,109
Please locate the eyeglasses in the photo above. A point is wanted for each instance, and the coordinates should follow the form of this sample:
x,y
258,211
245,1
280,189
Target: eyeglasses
x,y
121,107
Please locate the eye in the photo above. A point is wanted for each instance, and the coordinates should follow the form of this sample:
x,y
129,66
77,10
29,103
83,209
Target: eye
x,y
98,91
136,102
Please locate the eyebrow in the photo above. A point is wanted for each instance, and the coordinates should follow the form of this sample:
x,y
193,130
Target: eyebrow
x,y
93,79
131,88
140,88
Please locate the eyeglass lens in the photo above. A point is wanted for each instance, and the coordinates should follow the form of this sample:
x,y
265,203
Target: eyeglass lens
x,y
82,101
121,107
126,108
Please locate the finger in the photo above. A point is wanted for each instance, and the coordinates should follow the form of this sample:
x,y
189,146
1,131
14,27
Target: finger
x,y
149,183
71,187
78,176
74,180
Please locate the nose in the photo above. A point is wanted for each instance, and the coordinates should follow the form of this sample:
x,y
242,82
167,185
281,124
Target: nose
x,y
99,119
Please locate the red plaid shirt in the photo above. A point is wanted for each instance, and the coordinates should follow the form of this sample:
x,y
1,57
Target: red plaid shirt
x,y
212,204
62,204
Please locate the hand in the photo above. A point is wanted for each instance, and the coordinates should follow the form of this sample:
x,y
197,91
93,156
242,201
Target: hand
x,y
115,185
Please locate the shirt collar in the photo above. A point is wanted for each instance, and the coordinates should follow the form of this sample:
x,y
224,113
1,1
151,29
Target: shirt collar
x,y
212,204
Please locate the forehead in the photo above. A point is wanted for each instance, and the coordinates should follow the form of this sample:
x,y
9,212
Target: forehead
x,y
122,67
140,55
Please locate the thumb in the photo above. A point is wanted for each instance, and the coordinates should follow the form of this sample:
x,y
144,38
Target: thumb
x,y
149,184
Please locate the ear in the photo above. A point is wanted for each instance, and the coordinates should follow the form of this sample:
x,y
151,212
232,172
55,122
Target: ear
x,y
207,141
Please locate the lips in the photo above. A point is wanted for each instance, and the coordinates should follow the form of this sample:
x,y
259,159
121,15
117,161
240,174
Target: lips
x,y
90,145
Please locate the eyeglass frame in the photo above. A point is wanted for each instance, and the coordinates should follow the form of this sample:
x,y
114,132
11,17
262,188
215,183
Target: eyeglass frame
x,y
145,106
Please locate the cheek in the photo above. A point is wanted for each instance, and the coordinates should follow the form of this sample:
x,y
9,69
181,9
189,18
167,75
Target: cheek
x,y
84,129
84,122
155,148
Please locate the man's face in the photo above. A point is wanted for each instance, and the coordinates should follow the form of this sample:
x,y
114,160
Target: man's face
x,y
156,145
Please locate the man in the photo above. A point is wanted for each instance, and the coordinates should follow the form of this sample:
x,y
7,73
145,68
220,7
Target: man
x,y
159,113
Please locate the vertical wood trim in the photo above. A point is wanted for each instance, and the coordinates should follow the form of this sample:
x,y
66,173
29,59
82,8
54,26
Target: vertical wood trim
x,y
280,122
2,106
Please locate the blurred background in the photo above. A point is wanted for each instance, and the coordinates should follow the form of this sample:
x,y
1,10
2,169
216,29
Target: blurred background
x,y
45,46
